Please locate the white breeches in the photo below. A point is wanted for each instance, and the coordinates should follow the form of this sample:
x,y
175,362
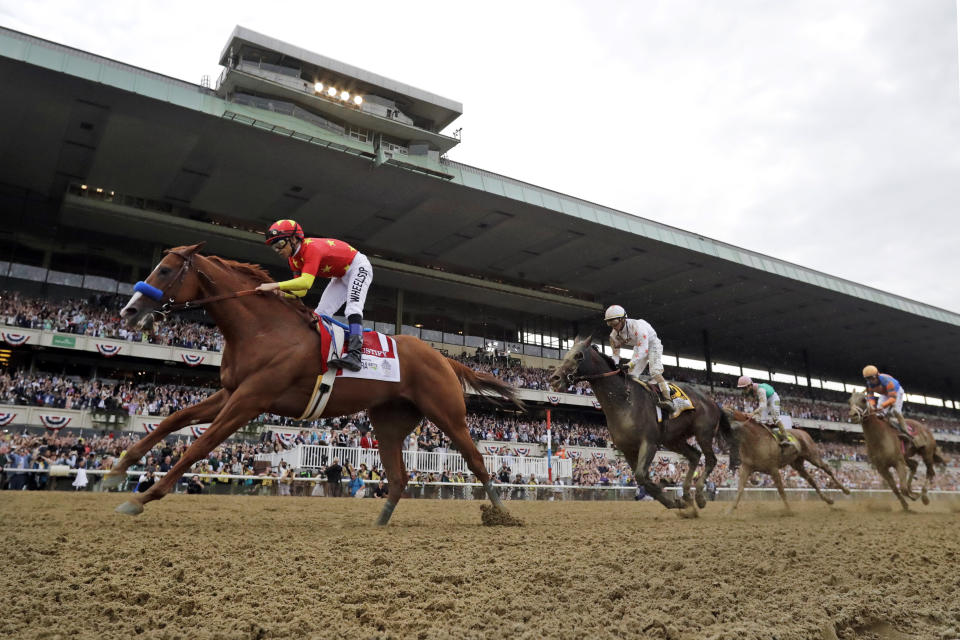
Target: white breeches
x,y
351,288
770,412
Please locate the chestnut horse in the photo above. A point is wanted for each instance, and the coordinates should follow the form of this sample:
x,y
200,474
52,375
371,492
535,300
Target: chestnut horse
x,y
271,360
631,412
886,450
760,451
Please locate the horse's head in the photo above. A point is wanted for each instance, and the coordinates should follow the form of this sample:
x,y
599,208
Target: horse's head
x,y
583,359
173,280
858,405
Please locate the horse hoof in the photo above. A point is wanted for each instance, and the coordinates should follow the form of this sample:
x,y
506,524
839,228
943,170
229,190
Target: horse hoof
x,y
829,501
701,499
130,508
925,498
110,482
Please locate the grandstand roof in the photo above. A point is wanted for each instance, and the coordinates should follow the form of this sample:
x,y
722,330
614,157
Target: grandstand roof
x,y
73,116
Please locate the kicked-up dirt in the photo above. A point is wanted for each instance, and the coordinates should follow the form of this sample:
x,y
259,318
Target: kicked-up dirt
x,y
204,567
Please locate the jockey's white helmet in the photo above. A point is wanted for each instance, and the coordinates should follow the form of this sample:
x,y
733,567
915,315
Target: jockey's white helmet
x,y
744,381
613,312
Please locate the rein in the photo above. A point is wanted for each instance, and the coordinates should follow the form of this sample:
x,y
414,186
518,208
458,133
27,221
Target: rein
x,y
171,306
593,376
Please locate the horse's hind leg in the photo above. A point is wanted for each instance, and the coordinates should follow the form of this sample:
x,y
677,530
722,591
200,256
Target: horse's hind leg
x,y
928,459
709,463
692,454
778,481
913,465
820,464
449,413
392,422
802,470
745,472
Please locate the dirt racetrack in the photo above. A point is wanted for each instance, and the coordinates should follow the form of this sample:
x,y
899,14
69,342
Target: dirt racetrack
x,y
199,567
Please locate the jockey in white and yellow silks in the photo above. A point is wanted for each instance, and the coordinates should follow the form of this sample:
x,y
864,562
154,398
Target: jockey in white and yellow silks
x,y
768,406
647,350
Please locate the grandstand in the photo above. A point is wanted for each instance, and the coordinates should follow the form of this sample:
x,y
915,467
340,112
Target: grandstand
x,y
106,165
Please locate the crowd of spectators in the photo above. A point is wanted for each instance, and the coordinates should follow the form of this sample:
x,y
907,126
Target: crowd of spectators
x,y
99,317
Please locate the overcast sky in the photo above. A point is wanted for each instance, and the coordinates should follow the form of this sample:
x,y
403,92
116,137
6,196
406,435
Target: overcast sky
x,y
821,132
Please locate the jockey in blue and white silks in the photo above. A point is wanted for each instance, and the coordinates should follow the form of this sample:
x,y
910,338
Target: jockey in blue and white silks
x,y
892,395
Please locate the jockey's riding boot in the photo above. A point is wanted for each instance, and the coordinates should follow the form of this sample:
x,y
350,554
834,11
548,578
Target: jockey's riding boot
x,y
665,404
351,359
782,436
901,426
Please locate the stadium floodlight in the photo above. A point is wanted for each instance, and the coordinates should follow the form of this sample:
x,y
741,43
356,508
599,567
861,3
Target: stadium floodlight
x,y
332,92
99,189
357,100
84,187
318,87
344,95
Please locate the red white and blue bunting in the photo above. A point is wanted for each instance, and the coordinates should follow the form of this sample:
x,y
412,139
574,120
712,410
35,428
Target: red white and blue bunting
x,y
491,450
55,423
16,339
553,398
191,359
574,455
196,431
599,455
109,350
6,418
522,451
150,427
286,439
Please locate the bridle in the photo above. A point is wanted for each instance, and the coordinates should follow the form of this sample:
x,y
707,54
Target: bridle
x,y
571,378
171,305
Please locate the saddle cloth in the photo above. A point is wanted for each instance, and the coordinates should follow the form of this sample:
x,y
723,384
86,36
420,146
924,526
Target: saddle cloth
x,y
379,361
676,393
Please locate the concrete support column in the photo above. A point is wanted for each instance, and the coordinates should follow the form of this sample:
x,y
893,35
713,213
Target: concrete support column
x,y
399,317
806,371
706,357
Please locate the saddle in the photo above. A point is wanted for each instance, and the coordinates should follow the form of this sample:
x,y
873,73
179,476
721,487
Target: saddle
x,y
676,393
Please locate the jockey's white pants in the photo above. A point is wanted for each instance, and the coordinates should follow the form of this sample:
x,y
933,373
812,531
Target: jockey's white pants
x,y
897,406
770,412
653,359
350,288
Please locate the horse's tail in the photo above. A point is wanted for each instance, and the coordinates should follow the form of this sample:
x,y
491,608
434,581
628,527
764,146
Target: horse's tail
x,y
486,384
729,437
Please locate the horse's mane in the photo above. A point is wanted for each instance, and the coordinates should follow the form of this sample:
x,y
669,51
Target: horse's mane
x,y
253,271
606,358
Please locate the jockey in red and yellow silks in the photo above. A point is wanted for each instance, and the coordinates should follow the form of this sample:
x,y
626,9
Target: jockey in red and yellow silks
x,y
349,272
892,397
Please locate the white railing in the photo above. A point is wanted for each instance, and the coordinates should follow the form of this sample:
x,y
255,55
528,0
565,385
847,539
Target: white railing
x,y
313,456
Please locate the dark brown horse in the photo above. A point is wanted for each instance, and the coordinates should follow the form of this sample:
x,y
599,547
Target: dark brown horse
x,y
631,412
271,360
887,451
760,451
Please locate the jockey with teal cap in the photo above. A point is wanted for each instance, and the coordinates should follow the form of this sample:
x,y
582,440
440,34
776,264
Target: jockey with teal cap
x,y
768,406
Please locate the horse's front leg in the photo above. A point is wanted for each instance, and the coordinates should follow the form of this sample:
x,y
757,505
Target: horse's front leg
x,y
203,411
239,409
648,450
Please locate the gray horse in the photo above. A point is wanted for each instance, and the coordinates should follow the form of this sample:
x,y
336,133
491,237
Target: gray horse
x,y
631,412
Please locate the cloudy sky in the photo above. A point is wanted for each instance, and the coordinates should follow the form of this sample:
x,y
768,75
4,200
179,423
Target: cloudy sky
x,y
820,132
